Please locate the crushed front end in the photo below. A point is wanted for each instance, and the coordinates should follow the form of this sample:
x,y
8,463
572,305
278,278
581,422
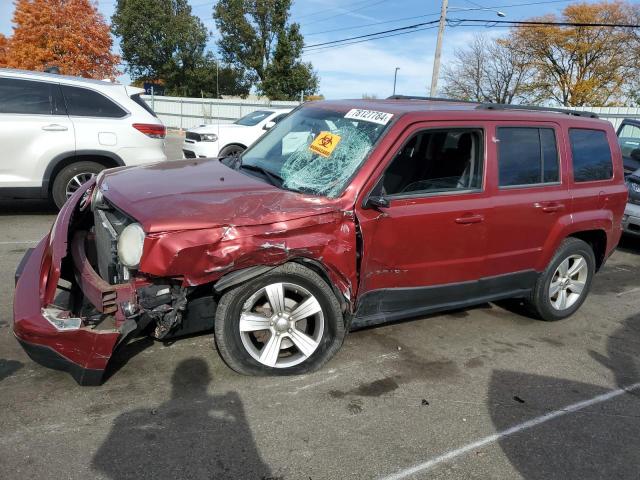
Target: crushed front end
x,y
74,301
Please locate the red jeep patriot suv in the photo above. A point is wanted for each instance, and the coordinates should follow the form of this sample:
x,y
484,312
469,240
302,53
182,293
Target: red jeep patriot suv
x,y
345,214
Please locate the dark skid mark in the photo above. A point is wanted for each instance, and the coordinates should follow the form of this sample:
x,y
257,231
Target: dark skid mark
x,y
9,367
377,388
518,399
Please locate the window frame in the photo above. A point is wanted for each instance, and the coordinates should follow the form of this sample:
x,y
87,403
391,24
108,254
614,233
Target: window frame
x,y
537,126
425,194
126,115
570,147
52,85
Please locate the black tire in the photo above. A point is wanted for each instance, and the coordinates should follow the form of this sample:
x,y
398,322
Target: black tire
x,y
227,331
64,176
231,151
539,302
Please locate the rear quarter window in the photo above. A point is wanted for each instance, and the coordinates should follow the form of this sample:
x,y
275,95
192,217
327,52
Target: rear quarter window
x,y
82,102
140,101
591,155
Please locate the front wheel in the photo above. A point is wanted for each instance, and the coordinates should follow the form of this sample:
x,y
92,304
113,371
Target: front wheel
x,y
71,178
231,151
287,321
563,286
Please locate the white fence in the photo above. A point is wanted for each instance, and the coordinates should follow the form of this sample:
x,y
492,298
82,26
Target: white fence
x,y
178,112
184,113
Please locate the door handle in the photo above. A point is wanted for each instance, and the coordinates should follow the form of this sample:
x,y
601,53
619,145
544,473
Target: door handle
x,y
549,207
55,127
467,219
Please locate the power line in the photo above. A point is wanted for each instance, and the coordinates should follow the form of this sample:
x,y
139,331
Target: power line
x,y
333,9
376,23
310,52
456,22
346,12
408,27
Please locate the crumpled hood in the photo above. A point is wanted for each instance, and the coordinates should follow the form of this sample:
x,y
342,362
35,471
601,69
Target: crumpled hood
x,y
203,193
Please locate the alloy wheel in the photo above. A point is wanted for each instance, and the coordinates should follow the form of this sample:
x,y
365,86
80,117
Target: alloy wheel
x,y
77,181
281,325
568,282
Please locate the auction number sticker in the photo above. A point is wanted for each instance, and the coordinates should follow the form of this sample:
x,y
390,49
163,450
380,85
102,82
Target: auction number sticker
x,y
381,118
325,143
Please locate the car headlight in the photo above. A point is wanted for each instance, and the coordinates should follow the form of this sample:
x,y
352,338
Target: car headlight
x,y
208,137
130,245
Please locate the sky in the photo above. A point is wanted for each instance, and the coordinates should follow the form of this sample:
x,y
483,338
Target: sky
x,y
368,67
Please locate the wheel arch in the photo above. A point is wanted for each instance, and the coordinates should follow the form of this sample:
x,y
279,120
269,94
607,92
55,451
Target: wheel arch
x,y
108,159
234,144
597,240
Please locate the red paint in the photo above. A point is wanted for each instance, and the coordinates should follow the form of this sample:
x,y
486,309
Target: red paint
x,y
204,220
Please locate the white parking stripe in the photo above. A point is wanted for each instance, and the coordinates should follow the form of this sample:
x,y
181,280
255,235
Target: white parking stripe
x,y
445,457
25,242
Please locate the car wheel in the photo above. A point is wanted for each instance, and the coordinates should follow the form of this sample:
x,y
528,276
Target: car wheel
x,y
71,178
231,151
565,283
287,321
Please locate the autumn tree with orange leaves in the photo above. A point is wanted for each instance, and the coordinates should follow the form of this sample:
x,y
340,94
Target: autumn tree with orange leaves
x,y
69,34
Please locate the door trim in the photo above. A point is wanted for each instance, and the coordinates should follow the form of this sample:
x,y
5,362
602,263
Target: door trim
x,y
388,304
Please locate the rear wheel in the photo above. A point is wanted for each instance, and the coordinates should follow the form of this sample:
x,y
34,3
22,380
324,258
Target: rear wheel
x,y
287,321
564,284
71,178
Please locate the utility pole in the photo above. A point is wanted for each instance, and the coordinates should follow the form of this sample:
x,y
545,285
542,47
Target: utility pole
x,y
436,59
395,77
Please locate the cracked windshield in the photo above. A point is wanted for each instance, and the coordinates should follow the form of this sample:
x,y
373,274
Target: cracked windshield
x,y
316,150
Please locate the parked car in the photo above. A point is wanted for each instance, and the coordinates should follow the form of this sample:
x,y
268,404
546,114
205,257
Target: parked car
x,y
229,139
629,139
345,214
57,132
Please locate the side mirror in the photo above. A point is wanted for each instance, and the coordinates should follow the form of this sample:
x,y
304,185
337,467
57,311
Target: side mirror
x,y
376,202
269,125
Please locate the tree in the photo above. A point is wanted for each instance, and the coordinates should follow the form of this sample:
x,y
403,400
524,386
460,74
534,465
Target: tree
x,y
488,71
208,79
580,65
159,39
256,35
69,34
4,50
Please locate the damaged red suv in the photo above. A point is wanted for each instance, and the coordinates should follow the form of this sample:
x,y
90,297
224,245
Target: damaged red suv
x,y
345,214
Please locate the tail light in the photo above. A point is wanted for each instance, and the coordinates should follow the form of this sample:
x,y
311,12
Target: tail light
x,y
151,129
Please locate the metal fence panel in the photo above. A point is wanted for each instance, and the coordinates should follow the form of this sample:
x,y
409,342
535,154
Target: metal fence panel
x,y
184,113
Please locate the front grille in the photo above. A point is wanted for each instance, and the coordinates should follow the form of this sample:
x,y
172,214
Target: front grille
x,y
188,154
193,136
108,226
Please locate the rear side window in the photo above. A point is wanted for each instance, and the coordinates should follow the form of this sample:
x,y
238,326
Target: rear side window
x,y
591,155
140,101
82,102
34,98
527,156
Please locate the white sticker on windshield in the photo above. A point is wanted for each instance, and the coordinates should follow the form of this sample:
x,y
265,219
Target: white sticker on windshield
x,y
381,118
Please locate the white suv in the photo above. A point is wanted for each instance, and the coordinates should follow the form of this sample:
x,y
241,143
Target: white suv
x,y
57,132
225,140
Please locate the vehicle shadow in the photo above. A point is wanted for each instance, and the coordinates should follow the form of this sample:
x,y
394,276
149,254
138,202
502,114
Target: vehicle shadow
x,y
600,441
192,435
32,207
629,244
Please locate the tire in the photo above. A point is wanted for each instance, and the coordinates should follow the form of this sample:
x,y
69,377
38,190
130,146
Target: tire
x,y
549,307
64,182
247,352
231,151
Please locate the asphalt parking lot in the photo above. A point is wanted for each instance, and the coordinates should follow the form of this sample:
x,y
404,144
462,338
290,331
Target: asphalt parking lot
x,y
478,393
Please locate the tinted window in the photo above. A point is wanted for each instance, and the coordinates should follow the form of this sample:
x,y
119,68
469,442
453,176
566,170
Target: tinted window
x,y
140,101
591,155
82,102
437,161
527,156
253,118
35,98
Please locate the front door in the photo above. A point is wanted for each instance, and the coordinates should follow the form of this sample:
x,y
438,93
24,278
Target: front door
x,y
425,250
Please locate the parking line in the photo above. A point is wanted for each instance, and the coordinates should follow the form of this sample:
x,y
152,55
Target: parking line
x,y
25,242
445,457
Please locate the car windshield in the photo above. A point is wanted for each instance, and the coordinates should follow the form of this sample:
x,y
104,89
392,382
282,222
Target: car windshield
x,y
316,150
253,118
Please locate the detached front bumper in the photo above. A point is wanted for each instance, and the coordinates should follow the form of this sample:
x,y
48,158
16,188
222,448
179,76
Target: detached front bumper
x,y
81,349
631,219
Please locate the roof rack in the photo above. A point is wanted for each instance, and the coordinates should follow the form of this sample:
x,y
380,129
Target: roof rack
x,y
504,106
499,106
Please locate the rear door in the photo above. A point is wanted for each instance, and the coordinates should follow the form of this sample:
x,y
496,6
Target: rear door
x,y
34,129
531,196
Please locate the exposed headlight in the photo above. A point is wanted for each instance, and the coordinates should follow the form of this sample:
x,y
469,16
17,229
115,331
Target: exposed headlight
x,y
130,245
208,137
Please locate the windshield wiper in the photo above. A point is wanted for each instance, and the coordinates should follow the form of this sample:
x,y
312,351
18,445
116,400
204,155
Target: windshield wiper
x,y
273,178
